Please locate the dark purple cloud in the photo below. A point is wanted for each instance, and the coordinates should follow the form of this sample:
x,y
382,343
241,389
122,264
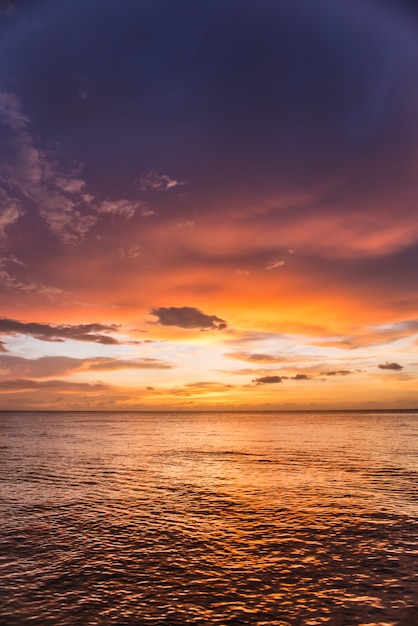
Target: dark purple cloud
x,y
267,380
55,332
187,317
390,366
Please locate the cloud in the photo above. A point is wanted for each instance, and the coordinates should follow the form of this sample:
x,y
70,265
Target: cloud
x,y
130,253
390,366
51,332
248,371
291,374
26,385
267,380
52,366
14,283
187,317
275,264
373,335
44,367
279,262
31,176
10,211
106,364
201,388
242,272
28,286
146,211
254,357
125,208
202,104
158,182
187,225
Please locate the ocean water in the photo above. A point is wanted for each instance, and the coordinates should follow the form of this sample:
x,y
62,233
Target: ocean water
x,y
209,518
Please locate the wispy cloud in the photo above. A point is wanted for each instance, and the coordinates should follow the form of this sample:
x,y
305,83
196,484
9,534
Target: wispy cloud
x,y
26,385
130,253
30,177
158,182
10,211
10,280
52,366
266,376
275,264
373,336
279,262
255,357
200,388
125,208
103,364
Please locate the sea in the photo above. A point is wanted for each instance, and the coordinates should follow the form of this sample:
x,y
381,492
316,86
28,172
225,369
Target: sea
x,y
221,518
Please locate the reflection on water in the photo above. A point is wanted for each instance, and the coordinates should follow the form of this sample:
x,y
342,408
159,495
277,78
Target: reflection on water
x,y
151,518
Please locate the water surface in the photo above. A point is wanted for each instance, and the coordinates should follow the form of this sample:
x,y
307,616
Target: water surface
x,y
209,518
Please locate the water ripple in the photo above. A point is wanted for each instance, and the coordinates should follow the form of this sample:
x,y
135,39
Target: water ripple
x,y
150,521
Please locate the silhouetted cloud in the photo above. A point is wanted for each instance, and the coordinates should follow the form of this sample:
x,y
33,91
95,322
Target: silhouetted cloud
x,y
300,377
187,317
267,380
51,332
336,373
390,366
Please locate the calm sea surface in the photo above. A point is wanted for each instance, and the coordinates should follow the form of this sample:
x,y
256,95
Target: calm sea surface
x,y
209,518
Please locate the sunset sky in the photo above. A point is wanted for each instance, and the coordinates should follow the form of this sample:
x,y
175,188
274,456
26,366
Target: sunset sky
x,y
208,204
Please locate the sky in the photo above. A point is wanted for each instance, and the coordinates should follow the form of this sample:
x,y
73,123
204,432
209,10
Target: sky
x,y
208,205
